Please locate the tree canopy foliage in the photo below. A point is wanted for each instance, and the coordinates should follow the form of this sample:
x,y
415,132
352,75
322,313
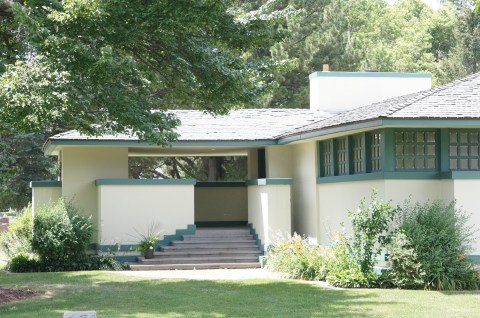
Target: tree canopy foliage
x,y
109,66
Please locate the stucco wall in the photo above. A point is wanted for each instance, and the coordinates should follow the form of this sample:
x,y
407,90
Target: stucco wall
x,y
466,194
328,89
279,161
305,218
81,166
45,195
124,208
221,204
336,199
269,211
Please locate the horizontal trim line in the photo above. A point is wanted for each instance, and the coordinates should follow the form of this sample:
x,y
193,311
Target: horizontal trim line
x,y
220,184
369,74
45,184
136,143
270,181
100,182
402,175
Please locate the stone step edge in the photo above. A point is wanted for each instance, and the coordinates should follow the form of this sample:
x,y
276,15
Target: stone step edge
x,y
140,267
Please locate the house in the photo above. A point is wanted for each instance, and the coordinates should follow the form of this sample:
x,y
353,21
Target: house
x,y
306,168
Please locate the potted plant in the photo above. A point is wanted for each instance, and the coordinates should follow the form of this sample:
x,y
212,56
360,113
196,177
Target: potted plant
x,y
148,240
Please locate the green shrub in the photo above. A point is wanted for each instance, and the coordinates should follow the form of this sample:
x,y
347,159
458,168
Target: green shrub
x,y
440,237
355,257
60,233
298,259
345,269
23,263
17,239
406,270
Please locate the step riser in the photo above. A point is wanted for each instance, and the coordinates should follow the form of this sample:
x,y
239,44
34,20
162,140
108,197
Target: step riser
x,y
213,244
218,238
193,266
214,254
187,249
208,248
198,261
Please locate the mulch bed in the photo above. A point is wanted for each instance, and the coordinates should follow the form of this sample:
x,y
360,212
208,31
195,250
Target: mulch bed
x,y
13,294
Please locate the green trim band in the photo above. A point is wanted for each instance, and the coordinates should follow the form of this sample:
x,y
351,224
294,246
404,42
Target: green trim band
x,y
258,241
45,184
270,181
220,184
402,175
100,182
167,239
369,74
135,143
376,123
473,258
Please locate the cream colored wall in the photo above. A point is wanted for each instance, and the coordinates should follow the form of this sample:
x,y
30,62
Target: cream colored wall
x,y
44,195
221,204
279,161
81,166
124,208
269,211
252,161
466,194
418,190
336,199
304,195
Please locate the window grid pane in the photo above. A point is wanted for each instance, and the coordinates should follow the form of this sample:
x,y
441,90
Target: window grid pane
x,y
376,154
464,150
415,150
327,156
358,153
342,156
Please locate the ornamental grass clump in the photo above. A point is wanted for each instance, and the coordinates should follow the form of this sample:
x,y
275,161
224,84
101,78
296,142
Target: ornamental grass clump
x,y
297,258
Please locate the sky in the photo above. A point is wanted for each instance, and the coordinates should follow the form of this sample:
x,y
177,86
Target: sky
x,y
435,4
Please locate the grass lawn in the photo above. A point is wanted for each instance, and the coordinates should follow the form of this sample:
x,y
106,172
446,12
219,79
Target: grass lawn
x,y
116,295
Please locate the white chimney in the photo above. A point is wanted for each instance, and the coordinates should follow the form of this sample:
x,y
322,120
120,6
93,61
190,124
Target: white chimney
x,y
340,91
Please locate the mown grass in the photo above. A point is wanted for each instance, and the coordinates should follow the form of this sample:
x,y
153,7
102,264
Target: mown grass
x,y
116,295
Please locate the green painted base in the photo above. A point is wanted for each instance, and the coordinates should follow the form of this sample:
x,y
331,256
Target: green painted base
x,y
220,223
255,237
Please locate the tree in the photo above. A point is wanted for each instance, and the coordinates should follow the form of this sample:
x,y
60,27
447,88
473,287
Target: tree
x,y
112,66
359,35
21,161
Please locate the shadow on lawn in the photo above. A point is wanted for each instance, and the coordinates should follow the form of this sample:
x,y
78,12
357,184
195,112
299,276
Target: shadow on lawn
x,y
181,298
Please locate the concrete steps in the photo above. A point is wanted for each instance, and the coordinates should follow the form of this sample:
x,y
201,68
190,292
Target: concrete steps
x,y
229,247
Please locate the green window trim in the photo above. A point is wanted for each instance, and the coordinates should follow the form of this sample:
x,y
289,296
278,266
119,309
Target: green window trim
x,y
463,149
400,154
357,150
416,150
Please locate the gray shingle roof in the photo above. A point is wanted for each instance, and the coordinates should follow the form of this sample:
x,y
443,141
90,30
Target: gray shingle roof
x,y
457,100
242,124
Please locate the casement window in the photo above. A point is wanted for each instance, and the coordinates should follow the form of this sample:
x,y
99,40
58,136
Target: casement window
x,y
358,153
463,150
348,155
415,150
326,156
388,153
375,151
342,156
